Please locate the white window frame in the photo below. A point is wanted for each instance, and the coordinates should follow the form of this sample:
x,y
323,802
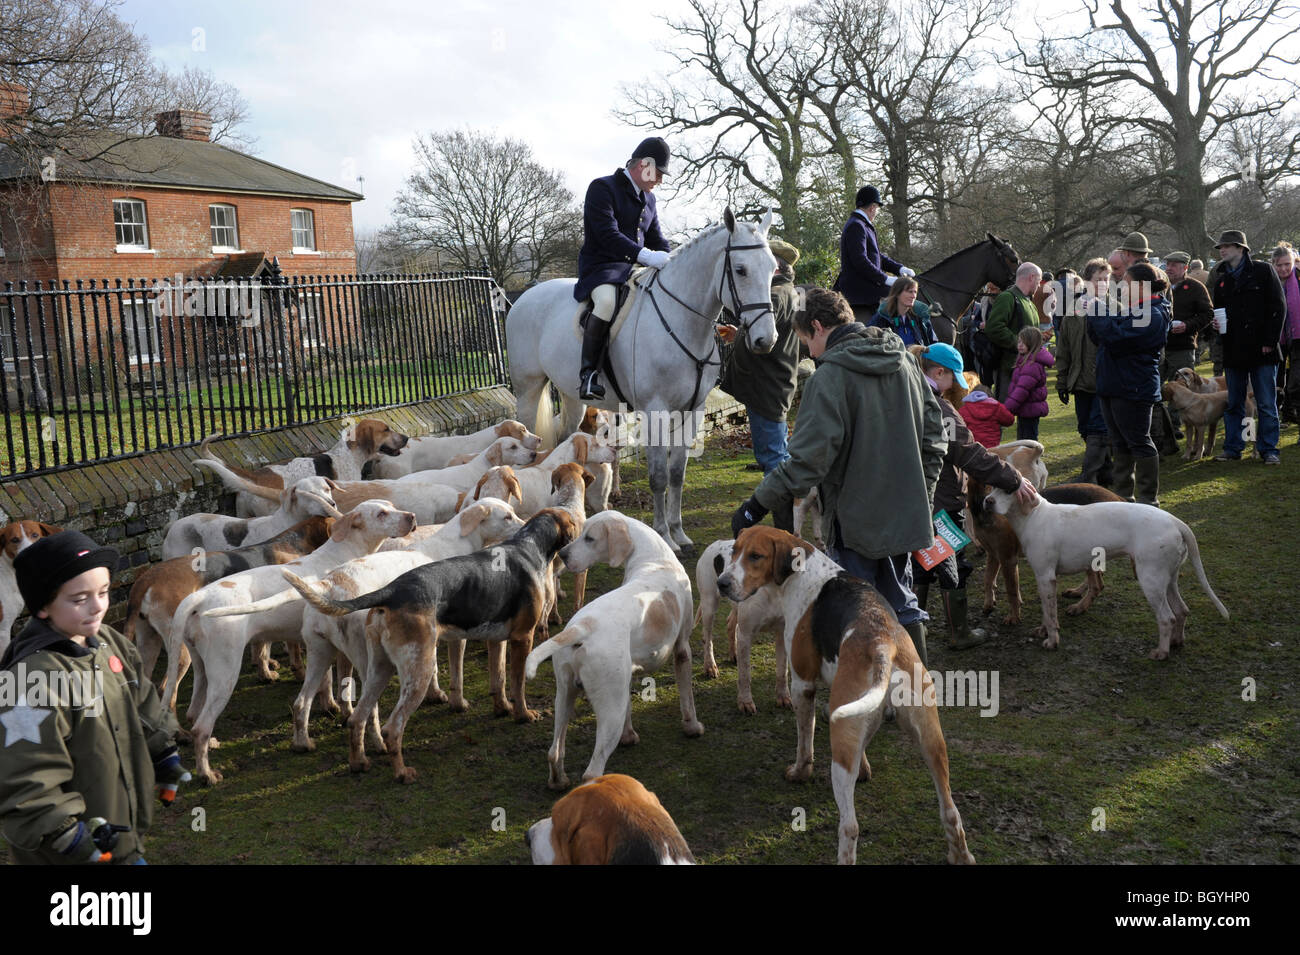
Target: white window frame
x,y
311,315
295,231
132,308
143,225
233,227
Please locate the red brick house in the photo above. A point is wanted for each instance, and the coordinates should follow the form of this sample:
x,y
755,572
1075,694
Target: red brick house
x,y
150,208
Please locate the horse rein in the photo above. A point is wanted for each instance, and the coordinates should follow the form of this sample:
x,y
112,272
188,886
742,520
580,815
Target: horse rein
x,y
702,363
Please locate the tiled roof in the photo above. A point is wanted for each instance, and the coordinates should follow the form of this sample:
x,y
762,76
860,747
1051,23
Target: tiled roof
x,y
163,161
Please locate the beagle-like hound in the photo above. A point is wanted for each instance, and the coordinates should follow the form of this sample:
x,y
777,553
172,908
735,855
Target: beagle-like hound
x,y
840,630
635,627
158,591
613,820
746,620
365,441
1064,538
13,538
189,535
216,643
423,454
496,594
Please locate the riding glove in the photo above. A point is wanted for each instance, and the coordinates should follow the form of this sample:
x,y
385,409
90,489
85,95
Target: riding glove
x,y
653,258
747,515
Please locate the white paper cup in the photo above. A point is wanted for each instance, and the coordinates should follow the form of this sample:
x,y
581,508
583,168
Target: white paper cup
x,y
1221,319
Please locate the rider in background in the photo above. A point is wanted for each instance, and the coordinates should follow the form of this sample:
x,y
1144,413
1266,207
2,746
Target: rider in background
x,y
620,229
862,279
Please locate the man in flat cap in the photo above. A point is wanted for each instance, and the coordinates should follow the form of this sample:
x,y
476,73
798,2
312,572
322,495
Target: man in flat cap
x,y
766,384
1192,314
1254,306
620,229
863,280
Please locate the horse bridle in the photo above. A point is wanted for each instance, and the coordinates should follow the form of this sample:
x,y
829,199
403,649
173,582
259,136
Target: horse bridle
x,y
702,363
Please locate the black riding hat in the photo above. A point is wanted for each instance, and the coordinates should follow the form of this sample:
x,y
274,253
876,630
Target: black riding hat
x,y
652,147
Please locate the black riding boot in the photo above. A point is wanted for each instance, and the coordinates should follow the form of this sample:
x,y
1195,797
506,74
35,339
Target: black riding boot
x,y
594,338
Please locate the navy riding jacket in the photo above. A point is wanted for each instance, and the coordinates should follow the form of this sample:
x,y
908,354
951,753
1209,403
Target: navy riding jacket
x,y
616,226
862,264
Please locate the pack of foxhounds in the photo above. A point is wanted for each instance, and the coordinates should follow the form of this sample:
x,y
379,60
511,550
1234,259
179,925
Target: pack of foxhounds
x,y
467,538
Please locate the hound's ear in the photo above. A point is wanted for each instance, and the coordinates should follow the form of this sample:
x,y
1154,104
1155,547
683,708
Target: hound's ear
x,y
494,454
460,500
783,557
333,486
365,433
729,219
619,542
471,518
478,488
555,480
513,488
588,479
1026,508
292,502
580,448
767,221
48,529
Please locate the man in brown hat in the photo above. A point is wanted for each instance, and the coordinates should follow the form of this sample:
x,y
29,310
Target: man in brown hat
x,y
1131,251
765,384
1192,312
1249,309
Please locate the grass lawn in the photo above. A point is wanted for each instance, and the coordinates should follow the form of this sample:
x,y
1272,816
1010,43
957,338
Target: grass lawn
x,y
1183,768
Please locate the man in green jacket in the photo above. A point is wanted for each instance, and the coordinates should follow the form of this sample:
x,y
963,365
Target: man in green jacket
x,y
1012,310
870,435
766,384
87,740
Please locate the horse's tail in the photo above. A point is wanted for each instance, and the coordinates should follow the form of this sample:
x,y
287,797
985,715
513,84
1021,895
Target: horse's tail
x,y
545,418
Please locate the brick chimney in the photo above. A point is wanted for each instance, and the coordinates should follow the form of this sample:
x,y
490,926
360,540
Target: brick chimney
x,y
184,124
15,102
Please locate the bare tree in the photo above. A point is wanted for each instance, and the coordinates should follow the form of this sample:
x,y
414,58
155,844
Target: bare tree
x,y
483,201
88,82
200,90
1185,73
904,68
739,103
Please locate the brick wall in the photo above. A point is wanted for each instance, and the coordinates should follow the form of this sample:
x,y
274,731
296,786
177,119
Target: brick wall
x,y
180,234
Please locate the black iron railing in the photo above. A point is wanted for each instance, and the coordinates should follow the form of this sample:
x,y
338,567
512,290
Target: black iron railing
x,y
93,372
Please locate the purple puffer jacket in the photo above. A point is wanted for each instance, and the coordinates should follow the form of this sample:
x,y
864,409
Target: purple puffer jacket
x,y
1027,397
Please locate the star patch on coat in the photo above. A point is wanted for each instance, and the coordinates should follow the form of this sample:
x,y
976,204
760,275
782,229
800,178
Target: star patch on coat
x,y
23,722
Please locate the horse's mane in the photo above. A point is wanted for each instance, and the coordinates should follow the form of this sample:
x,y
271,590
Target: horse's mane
x,y
700,236
973,245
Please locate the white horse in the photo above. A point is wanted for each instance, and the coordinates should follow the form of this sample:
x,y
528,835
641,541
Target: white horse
x,y
665,357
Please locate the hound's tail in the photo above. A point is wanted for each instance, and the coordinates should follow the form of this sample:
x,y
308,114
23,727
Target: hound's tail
x,y
1195,552
235,480
203,447
883,665
540,655
267,603
335,608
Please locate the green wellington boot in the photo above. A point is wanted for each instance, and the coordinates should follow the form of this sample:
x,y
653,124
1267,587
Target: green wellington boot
x,y
917,632
1148,481
960,635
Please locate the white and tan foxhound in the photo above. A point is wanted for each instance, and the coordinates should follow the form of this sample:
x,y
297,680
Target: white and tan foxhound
x,y
840,630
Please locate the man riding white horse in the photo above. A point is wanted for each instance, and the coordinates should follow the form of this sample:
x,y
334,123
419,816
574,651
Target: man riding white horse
x,y
620,229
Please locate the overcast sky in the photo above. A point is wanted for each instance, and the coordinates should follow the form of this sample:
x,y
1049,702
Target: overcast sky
x,y
339,89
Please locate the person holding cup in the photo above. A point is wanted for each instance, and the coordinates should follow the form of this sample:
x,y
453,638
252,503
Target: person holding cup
x,y
1249,308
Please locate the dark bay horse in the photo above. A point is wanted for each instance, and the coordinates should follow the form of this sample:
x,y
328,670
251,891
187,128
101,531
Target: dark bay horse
x,y
953,284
